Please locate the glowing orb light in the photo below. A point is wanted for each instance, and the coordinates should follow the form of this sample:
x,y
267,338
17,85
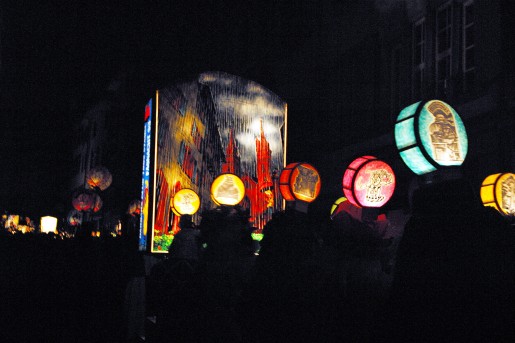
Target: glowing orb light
x,y
368,182
498,191
429,136
185,201
227,189
48,224
299,181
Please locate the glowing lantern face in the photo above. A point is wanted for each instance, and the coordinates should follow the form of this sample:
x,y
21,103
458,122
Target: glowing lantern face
x,y
48,224
227,189
430,136
368,182
498,191
185,201
299,181
99,177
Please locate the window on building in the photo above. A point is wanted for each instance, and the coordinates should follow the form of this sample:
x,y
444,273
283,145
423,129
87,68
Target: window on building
x,y
443,47
419,57
396,81
468,62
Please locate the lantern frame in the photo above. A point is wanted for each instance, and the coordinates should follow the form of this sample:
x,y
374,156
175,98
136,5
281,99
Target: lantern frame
x,y
350,178
412,147
287,179
491,191
195,203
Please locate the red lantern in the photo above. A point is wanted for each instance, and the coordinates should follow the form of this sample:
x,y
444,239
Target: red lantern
x,y
83,201
99,177
299,181
368,182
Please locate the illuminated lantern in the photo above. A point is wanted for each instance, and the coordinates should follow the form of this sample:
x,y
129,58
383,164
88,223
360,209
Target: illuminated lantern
x,y
368,182
97,203
430,136
83,201
498,191
299,181
134,207
99,178
227,189
48,224
185,201
74,218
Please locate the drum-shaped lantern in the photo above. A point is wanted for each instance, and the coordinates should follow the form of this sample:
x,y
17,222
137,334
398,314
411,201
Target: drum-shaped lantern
x,y
429,136
185,201
498,191
227,189
368,182
99,178
299,181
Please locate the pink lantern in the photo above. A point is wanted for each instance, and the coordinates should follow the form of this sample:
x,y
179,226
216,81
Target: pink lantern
x,y
99,178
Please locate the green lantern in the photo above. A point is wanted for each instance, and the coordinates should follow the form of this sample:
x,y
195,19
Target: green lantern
x,y
430,136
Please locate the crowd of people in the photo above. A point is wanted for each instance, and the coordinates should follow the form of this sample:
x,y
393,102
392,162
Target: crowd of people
x,y
450,277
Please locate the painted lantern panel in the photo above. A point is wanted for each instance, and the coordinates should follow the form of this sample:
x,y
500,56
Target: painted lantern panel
x,y
369,183
300,181
498,191
227,189
185,201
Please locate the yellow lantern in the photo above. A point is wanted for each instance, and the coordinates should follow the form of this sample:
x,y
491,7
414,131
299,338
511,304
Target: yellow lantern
x,y
336,204
498,191
185,201
227,189
48,224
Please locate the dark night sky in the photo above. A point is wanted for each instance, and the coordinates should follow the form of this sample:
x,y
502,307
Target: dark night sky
x,y
59,56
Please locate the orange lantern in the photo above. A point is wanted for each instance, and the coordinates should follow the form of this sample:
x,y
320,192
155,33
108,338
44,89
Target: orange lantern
x,y
498,191
134,207
227,189
299,181
97,203
368,182
185,201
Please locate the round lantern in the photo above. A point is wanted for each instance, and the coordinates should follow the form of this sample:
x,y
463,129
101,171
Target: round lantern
x,y
429,136
498,191
299,181
368,182
227,189
99,177
83,201
48,224
185,201
74,218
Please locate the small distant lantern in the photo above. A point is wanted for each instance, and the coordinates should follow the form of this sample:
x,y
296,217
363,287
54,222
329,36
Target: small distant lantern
x,y
97,203
498,191
185,201
48,224
83,201
430,136
227,189
99,178
74,218
368,182
134,207
299,181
